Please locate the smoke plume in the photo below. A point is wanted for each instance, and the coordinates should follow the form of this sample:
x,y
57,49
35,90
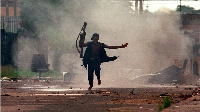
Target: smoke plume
x,y
154,38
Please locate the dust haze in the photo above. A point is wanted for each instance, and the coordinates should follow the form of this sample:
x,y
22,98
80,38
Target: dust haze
x,y
154,38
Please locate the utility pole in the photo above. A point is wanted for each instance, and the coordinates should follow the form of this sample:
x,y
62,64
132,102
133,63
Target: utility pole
x,y
7,8
15,8
136,6
140,8
180,6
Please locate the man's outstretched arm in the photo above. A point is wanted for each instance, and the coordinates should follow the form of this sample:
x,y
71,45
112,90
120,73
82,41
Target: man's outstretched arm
x,y
116,47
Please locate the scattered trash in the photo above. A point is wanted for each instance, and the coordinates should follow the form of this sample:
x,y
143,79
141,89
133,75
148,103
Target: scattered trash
x,y
105,95
58,94
164,94
194,100
107,92
198,83
185,96
114,99
173,83
116,93
5,79
103,92
55,93
5,95
171,75
188,88
132,92
176,101
107,109
72,97
90,92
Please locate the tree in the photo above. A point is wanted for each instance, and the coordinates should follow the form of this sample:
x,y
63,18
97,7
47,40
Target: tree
x,y
187,9
36,15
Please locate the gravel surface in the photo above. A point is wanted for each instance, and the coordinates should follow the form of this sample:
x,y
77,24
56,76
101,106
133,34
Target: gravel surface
x,y
64,97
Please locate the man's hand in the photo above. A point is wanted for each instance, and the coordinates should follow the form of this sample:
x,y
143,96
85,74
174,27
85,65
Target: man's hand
x,y
85,66
82,35
124,45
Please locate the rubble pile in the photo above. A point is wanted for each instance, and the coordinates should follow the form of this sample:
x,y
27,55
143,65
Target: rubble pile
x,y
169,75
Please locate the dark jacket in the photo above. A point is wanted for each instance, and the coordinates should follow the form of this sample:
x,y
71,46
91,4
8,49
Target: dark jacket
x,y
103,56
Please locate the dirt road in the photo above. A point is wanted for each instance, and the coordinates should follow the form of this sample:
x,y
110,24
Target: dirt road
x,y
63,97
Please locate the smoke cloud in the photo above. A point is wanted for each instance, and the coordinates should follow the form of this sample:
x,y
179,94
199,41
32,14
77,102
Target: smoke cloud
x,y
154,38
24,48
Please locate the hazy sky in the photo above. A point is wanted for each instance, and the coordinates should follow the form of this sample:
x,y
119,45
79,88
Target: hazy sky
x,y
156,5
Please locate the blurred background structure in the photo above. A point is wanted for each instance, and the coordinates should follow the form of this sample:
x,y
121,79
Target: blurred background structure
x,y
49,27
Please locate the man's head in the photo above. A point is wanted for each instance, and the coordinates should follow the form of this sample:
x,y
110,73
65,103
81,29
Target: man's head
x,y
95,37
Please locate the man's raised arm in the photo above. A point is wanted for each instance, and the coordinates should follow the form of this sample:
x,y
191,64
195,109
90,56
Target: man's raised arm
x,y
82,44
81,41
116,47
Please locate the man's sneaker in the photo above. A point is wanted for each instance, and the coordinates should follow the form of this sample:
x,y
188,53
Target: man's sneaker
x,y
90,88
99,82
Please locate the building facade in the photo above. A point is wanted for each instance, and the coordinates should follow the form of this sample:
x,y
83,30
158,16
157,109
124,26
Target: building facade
x,y
10,15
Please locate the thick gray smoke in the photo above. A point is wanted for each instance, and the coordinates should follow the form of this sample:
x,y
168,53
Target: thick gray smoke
x,y
24,48
153,40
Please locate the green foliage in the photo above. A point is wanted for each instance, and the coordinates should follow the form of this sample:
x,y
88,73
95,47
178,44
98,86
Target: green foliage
x,y
187,9
8,71
37,15
166,103
51,73
11,72
30,74
26,74
160,107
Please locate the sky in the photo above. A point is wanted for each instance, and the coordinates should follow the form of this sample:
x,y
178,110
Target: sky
x,y
154,6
